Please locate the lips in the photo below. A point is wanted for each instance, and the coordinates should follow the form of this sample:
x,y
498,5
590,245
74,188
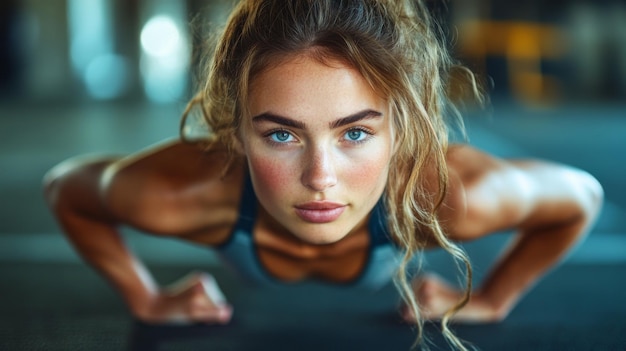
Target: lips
x,y
319,211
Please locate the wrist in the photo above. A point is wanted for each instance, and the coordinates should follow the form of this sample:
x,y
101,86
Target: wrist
x,y
142,306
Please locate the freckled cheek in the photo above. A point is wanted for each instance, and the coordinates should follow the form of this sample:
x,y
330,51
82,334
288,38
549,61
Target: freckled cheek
x,y
369,176
271,178
368,171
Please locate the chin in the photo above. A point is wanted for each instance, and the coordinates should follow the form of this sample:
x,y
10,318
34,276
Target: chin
x,y
315,238
323,241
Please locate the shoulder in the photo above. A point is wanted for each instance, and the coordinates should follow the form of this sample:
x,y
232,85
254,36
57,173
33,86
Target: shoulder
x,y
174,188
489,194
485,193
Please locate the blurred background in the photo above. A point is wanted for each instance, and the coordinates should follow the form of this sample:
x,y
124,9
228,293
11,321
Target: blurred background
x,y
113,76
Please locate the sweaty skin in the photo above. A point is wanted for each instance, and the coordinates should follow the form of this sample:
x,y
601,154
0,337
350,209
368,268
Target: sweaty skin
x,y
317,139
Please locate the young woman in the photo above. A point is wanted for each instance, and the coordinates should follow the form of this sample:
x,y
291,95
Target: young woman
x,y
328,160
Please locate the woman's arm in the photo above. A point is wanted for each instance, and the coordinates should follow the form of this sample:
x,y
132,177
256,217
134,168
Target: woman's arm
x,y
90,198
73,193
550,206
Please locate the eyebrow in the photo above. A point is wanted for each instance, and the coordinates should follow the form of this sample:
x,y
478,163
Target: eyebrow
x,y
359,116
288,122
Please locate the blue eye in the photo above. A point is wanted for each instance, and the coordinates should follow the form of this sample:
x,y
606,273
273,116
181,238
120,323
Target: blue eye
x,y
280,136
355,135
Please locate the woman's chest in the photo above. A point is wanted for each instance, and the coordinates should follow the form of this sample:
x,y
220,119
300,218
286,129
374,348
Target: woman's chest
x,y
288,259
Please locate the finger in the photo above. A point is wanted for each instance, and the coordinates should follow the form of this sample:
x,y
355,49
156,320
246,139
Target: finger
x,y
224,314
204,308
213,315
212,289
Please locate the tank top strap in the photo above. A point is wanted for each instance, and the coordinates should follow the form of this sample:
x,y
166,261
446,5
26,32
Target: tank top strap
x,y
247,208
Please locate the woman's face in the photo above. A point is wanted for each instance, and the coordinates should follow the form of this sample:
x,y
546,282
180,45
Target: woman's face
x,y
318,142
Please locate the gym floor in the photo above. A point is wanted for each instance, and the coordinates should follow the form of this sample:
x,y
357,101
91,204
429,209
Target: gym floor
x,y
49,300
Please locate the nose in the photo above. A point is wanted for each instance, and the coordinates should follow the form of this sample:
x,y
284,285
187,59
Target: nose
x,y
319,171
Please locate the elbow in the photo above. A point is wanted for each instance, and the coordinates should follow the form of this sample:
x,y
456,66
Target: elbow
x,y
588,197
592,195
597,192
51,186
57,181
74,179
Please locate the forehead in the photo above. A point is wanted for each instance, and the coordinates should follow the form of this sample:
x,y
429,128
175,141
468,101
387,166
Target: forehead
x,y
303,86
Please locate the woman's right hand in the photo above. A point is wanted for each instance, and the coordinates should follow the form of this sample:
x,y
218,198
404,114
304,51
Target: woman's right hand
x,y
196,298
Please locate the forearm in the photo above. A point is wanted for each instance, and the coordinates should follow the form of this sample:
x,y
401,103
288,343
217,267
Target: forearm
x,y
102,247
531,254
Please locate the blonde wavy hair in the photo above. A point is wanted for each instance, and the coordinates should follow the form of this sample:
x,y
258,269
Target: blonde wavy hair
x,y
399,50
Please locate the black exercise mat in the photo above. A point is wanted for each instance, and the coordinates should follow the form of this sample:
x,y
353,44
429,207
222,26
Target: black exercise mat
x,y
67,307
